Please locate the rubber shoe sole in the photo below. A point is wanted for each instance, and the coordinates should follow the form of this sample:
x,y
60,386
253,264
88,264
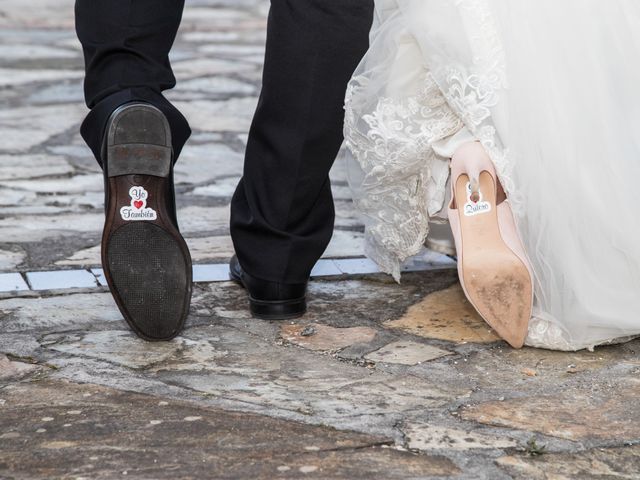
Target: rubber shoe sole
x,y
145,259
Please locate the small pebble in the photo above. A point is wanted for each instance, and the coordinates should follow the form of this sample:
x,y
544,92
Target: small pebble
x,y
308,331
192,419
308,469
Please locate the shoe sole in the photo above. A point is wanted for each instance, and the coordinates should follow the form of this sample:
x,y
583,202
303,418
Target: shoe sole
x,y
273,310
496,281
145,259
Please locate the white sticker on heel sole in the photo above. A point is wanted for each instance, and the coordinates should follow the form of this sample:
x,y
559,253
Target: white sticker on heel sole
x,y
138,209
475,206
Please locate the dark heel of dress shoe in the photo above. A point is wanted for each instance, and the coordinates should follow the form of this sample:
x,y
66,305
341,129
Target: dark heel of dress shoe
x,y
278,310
145,259
281,301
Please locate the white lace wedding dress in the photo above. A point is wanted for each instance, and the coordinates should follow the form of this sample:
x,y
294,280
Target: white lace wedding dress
x,y
552,90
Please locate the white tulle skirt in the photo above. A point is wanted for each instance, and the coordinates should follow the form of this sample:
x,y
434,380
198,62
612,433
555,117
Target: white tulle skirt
x,y
552,90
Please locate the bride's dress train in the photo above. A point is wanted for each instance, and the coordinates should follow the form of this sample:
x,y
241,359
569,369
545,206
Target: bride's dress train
x,y
552,91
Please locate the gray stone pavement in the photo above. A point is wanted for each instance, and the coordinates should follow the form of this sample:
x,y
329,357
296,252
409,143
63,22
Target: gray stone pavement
x,y
378,381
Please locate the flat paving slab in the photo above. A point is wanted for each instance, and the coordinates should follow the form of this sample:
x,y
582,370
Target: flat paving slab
x,y
446,315
63,430
606,414
267,399
600,464
12,282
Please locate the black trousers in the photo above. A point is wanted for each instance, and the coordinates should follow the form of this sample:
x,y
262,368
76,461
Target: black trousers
x,y
282,213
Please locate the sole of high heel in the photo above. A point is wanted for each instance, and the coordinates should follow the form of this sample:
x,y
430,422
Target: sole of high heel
x,y
496,281
145,259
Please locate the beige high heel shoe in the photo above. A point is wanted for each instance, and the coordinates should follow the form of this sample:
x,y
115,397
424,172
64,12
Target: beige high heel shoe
x,y
492,264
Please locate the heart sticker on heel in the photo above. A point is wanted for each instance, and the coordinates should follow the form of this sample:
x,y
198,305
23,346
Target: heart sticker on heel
x,y
138,209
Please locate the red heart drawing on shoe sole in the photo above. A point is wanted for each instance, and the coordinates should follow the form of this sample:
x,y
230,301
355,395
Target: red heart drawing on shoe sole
x,y
138,204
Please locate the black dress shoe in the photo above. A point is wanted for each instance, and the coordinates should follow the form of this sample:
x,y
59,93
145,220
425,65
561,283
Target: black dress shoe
x,y
270,300
145,259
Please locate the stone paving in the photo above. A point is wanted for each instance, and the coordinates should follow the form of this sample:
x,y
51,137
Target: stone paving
x,y
378,381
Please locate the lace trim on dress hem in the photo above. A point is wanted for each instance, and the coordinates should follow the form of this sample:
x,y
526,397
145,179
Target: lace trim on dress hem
x,y
403,178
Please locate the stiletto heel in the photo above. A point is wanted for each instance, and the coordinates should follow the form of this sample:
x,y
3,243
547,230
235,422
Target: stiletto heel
x,y
492,264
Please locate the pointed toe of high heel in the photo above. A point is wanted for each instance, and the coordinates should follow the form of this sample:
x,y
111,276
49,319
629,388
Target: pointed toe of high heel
x,y
501,293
